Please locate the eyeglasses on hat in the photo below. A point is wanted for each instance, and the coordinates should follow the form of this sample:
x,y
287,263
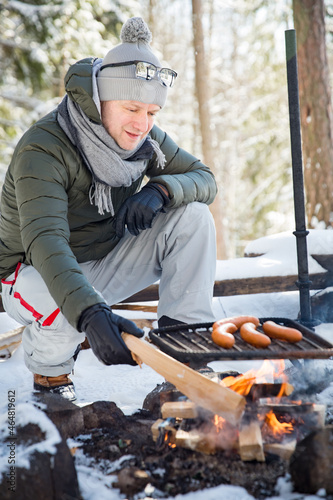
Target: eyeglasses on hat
x,y
148,71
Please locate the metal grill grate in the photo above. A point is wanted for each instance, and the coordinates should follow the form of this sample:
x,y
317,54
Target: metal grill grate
x,y
193,343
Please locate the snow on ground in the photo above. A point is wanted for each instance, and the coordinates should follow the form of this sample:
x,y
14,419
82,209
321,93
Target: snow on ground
x,y
127,386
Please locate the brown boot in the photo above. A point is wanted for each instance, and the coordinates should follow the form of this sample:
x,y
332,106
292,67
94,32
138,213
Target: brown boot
x,y
61,385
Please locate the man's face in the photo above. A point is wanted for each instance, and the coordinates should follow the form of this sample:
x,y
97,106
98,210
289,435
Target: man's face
x,y
128,122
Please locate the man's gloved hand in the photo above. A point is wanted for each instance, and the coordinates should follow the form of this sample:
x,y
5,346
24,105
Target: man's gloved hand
x,y
103,330
139,210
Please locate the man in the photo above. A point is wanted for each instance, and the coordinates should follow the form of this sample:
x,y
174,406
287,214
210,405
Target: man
x,y
77,230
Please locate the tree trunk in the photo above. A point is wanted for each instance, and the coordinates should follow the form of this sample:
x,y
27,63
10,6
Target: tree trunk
x,y
202,90
315,110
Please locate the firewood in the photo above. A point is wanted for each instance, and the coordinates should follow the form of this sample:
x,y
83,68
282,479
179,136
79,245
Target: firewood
x,y
195,441
244,286
179,409
250,442
266,390
155,428
9,341
293,409
165,427
135,307
282,450
320,411
198,388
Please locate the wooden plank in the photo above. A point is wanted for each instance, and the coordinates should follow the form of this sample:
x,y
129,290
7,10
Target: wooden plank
x,y
250,442
198,388
11,338
196,441
160,425
179,409
283,450
243,286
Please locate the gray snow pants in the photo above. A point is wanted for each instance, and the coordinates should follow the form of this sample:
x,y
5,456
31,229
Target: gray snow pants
x,y
179,250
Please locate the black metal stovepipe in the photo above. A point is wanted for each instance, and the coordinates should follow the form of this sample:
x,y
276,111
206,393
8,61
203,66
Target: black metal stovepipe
x,y
301,233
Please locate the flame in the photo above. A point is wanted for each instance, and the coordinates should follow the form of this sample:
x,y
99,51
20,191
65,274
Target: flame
x,y
282,390
219,423
276,427
168,440
270,369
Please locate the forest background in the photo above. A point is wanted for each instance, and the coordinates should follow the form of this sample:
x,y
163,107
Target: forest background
x,y
229,105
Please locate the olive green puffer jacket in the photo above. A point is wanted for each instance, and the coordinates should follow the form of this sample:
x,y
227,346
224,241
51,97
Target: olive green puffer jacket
x,y
47,220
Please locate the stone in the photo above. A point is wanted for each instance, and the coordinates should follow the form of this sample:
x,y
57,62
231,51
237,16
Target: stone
x,y
102,414
65,415
131,480
311,465
48,476
322,305
162,393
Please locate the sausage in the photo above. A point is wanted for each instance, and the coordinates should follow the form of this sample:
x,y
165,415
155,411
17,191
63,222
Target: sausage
x,y
250,335
222,335
237,320
275,331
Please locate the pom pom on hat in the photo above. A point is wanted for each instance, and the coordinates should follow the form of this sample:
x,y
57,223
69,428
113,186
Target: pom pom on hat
x,y
120,83
135,30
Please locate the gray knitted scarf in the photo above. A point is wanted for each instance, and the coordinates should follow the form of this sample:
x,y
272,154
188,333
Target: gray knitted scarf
x,y
109,164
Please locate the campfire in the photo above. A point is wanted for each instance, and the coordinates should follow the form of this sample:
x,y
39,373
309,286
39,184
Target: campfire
x,y
272,422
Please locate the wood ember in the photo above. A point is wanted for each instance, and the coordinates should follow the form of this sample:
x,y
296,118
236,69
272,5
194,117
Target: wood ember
x,y
265,390
296,420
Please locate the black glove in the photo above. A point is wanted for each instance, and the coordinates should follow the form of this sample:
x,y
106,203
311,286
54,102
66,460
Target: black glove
x,y
139,210
103,330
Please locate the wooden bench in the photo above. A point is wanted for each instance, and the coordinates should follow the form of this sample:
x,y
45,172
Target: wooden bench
x,y
243,286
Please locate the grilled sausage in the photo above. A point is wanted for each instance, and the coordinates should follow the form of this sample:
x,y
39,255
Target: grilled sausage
x,y
222,335
237,320
275,331
250,335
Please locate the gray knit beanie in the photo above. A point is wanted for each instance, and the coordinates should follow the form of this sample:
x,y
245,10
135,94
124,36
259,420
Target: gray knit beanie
x,y
120,83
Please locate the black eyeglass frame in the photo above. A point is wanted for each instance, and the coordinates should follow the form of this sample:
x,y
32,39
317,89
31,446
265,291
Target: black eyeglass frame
x,y
157,70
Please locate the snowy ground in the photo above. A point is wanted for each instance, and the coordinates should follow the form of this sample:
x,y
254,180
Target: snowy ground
x,y
127,386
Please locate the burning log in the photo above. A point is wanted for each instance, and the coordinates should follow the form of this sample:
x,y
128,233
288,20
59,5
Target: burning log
x,y
304,417
250,442
264,390
163,431
271,421
195,440
262,430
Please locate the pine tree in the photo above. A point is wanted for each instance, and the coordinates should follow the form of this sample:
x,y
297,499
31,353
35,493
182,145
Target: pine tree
x,y
39,39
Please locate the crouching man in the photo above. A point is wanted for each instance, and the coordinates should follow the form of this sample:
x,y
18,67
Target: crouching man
x,y
79,230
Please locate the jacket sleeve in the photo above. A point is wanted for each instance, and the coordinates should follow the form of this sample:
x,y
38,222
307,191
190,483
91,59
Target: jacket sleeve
x,y
184,176
40,186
